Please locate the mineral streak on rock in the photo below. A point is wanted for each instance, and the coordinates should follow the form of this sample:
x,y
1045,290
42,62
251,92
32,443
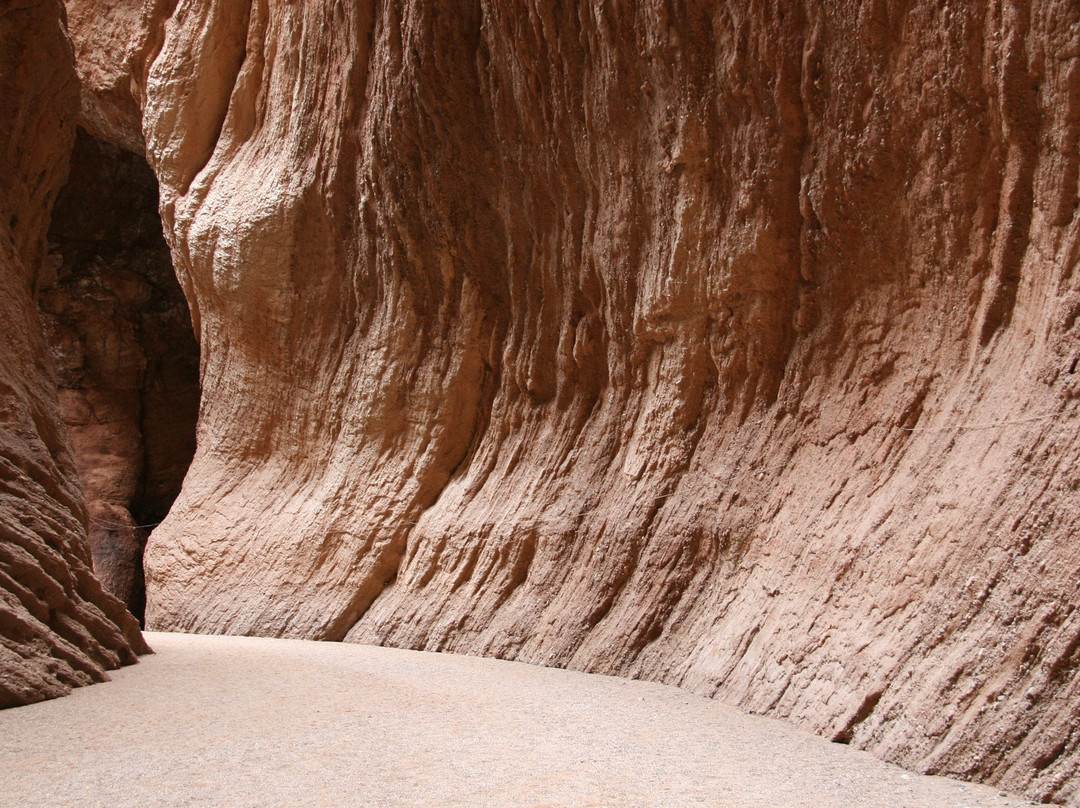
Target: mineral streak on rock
x,y
731,345
58,629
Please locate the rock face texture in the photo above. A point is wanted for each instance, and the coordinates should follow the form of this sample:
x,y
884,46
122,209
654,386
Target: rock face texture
x,y
58,628
116,321
732,345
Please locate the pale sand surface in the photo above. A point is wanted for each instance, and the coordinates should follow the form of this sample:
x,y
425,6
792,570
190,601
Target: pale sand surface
x,y
230,721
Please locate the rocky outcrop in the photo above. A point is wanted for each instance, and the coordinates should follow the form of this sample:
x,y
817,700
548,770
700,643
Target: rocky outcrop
x,y
117,325
58,629
728,345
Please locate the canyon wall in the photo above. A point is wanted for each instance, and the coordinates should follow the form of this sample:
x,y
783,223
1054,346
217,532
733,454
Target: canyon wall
x,y
730,345
58,628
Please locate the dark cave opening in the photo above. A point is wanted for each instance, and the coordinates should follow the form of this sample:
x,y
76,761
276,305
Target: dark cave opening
x,y
119,330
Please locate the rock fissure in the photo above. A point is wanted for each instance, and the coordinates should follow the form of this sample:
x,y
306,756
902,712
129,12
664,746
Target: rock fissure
x,y
117,327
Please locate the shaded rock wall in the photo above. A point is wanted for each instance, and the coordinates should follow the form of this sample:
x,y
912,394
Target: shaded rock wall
x,y
116,322
728,345
58,629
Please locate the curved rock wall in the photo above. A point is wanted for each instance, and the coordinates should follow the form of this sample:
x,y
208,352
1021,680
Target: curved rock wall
x,y
58,629
728,345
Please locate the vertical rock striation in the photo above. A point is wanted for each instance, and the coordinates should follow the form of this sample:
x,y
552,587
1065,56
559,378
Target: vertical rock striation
x,y
58,629
728,345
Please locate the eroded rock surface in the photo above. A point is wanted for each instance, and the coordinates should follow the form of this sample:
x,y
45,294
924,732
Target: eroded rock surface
x,y
731,345
116,322
58,628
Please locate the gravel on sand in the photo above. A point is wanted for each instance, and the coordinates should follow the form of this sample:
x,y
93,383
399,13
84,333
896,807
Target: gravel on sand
x,y
239,721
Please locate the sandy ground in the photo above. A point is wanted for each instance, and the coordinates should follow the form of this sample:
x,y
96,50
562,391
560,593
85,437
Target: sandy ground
x,y
230,721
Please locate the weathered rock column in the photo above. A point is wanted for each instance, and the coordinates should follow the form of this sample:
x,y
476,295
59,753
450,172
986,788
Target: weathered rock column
x,y
58,628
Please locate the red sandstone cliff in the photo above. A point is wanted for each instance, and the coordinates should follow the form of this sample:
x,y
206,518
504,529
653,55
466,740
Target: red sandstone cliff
x,y
728,345
58,629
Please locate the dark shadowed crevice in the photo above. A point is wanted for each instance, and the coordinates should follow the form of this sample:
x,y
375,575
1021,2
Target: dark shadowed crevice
x,y
120,333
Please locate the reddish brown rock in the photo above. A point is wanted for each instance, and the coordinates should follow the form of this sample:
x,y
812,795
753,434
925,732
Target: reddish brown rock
x,y
732,345
58,629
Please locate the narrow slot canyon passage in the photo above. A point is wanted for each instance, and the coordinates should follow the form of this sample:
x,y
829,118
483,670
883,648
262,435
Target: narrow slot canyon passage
x,y
120,333
728,347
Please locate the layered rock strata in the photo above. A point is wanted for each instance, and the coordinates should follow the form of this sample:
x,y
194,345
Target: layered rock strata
x,y
116,322
728,345
58,628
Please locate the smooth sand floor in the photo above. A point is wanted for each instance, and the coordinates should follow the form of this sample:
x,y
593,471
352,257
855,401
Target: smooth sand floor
x,y
231,721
